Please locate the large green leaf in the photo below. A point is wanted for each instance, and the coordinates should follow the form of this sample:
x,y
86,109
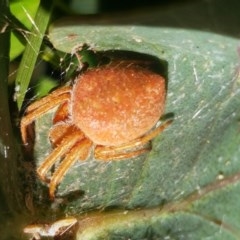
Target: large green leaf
x,y
192,172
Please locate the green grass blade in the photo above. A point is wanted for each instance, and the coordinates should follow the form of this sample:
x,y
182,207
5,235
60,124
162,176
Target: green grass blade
x,y
31,52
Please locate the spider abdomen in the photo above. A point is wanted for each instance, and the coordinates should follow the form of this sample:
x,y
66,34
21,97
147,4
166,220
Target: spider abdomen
x,y
117,103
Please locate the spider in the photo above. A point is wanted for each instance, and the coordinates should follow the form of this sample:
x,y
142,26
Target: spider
x,y
112,109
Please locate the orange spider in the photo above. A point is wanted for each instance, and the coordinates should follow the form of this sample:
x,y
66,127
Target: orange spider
x,y
112,107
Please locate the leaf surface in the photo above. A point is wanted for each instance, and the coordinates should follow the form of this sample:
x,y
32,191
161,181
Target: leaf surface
x,y
193,170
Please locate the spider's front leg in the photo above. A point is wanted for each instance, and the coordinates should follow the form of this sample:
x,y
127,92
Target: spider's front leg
x,y
42,106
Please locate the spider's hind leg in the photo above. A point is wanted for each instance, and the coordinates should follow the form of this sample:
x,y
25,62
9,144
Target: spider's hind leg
x,y
138,145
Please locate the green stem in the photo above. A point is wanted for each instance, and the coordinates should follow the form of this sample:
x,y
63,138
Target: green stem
x,y
10,186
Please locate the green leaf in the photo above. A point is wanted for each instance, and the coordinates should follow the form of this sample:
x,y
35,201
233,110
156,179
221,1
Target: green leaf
x,y
44,87
187,187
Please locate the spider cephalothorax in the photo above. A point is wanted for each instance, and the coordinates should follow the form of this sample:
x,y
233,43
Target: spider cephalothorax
x,y
113,108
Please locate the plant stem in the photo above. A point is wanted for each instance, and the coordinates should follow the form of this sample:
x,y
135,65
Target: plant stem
x,y
10,185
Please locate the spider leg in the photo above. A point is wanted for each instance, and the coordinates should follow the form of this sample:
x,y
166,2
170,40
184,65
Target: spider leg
x,y
67,143
79,151
122,155
62,113
60,131
120,152
37,112
45,100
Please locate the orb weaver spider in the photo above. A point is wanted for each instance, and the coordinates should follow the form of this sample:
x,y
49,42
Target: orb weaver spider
x,y
113,108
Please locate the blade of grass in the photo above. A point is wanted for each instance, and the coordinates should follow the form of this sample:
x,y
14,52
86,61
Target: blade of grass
x,y
31,52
